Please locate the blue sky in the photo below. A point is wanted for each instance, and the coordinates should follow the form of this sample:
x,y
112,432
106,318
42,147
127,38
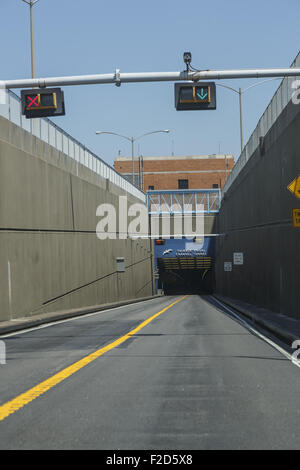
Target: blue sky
x,y
92,36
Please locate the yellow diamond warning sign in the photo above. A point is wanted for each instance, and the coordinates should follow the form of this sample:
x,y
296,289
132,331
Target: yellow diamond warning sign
x,y
296,217
294,187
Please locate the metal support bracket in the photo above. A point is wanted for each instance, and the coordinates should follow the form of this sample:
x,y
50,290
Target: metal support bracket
x,y
117,77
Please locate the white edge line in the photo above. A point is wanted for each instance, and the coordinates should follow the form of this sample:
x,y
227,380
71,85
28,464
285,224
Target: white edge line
x,y
57,322
260,335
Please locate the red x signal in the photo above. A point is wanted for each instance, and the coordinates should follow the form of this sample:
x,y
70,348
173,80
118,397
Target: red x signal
x,y
38,103
32,101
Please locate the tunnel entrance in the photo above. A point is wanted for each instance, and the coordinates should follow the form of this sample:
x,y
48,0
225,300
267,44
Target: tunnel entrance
x,y
183,223
186,275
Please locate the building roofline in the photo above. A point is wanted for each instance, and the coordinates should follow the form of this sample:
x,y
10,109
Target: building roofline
x,y
180,157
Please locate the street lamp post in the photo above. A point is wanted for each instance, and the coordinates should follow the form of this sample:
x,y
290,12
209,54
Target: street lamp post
x,y
241,120
240,92
132,140
31,4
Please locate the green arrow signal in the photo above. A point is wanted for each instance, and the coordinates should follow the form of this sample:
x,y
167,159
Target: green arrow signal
x,y
202,95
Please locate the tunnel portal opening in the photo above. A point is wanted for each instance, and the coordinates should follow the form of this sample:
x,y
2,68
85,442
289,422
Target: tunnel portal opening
x,y
186,275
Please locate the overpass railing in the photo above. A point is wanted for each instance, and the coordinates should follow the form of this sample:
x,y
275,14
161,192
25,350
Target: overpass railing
x,y
279,101
188,201
46,130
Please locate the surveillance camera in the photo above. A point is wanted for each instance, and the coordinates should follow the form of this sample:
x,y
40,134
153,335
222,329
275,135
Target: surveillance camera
x,y
187,57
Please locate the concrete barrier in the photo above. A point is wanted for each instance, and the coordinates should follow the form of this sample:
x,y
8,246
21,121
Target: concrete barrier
x,y
256,220
50,257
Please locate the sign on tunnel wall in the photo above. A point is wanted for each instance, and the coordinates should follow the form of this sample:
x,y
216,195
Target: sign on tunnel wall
x,y
296,217
227,266
238,258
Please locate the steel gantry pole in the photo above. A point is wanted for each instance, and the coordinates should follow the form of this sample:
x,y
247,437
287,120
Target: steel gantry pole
x,y
31,4
118,78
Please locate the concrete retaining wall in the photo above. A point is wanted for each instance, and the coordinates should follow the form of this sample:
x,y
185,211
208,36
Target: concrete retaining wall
x,y
256,218
50,257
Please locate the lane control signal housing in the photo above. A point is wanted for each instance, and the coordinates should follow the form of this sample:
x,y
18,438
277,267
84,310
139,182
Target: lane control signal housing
x,y
160,241
42,102
195,96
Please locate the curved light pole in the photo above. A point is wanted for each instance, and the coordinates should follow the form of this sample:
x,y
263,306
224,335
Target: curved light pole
x,y
31,3
239,91
132,140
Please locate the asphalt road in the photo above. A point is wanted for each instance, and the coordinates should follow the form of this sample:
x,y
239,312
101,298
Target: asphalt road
x,y
192,378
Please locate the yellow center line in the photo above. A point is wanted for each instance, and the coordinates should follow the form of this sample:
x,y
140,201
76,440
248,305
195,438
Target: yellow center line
x,y
21,400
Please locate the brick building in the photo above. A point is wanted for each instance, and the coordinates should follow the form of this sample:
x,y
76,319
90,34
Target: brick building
x,y
190,172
